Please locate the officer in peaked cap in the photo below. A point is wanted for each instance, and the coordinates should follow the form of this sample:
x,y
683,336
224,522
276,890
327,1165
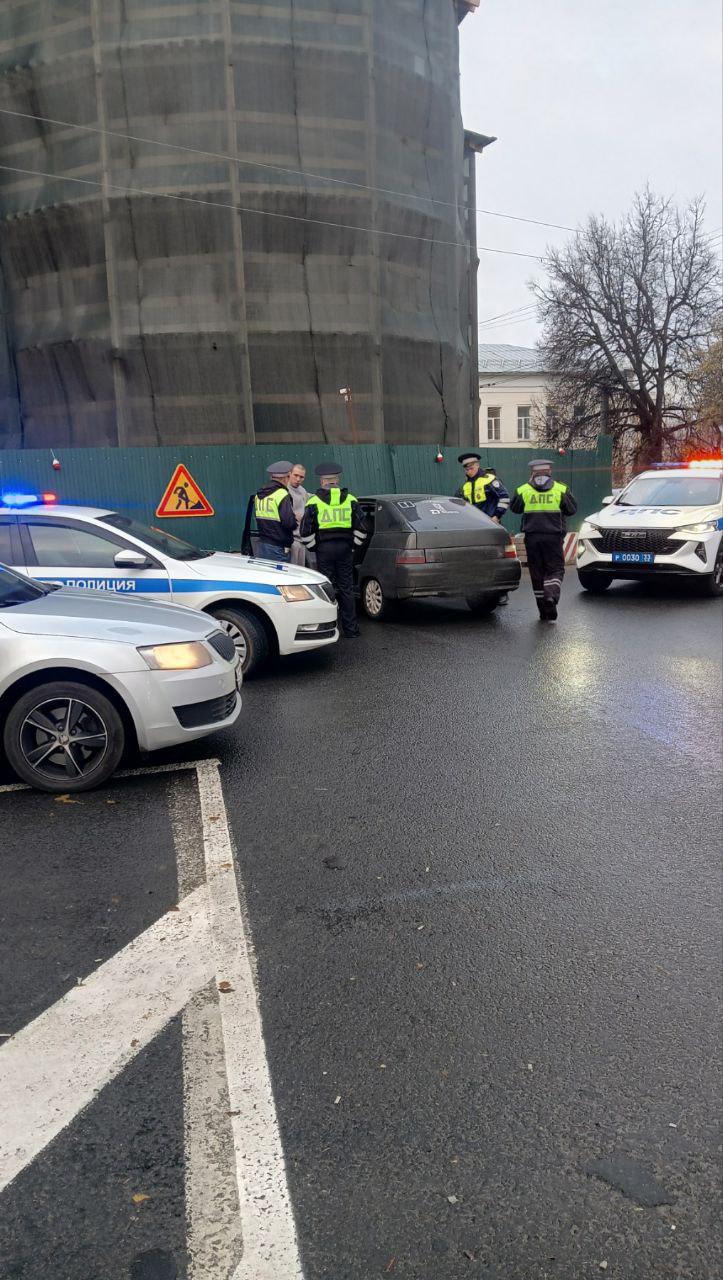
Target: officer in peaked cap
x,y
544,504
484,491
333,526
274,511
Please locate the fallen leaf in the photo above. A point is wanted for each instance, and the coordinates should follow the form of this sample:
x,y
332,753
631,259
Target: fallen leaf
x,y
79,982
225,986
233,1113
174,908
468,1254
390,1266
66,799
214,817
452,1199
139,1197
226,866
603,1266
419,926
134,1043
421,966
111,801
455,1160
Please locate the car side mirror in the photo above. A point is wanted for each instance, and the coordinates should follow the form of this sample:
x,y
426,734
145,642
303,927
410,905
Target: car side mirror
x,y
606,501
128,559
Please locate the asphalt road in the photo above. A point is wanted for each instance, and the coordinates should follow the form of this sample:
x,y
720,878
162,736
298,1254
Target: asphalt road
x,y
480,862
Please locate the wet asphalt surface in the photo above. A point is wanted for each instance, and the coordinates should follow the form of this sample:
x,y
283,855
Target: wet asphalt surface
x,y
481,864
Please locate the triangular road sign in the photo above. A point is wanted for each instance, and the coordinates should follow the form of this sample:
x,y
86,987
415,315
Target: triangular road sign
x,y
183,497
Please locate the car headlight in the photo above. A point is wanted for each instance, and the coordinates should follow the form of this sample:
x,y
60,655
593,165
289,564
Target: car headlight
x,y
295,593
705,526
588,530
176,657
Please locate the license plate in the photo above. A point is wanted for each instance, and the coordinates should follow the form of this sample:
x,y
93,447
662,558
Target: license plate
x,y
633,557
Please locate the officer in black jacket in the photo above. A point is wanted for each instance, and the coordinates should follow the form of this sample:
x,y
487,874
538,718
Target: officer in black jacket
x,y
275,519
333,525
543,504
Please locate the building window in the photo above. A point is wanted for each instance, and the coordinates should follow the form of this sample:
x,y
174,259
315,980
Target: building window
x,y
493,424
523,421
552,421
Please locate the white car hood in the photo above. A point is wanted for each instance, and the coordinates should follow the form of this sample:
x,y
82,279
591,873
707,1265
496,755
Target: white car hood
x,y
616,517
96,615
229,564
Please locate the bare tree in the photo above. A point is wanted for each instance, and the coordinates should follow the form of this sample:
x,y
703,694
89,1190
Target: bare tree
x,y
626,311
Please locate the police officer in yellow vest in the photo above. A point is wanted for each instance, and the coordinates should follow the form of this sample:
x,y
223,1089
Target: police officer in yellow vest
x,y
333,526
274,512
481,487
543,504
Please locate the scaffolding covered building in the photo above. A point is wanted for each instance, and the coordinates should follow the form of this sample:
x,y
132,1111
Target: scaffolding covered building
x,y
215,215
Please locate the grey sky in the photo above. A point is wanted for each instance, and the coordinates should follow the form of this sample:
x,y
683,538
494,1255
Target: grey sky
x,y
589,100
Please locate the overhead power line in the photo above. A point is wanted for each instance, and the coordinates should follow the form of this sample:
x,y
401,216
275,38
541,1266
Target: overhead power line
x,y
276,168
263,213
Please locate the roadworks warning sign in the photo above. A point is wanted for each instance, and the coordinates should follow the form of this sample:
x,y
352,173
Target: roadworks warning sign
x,y
183,497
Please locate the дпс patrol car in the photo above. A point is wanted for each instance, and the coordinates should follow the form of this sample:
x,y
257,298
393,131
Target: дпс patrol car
x,y
264,607
667,521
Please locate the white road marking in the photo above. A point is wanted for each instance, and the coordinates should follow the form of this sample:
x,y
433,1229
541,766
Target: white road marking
x,y
269,1233
214,1242
122,773
56,1066
58,1063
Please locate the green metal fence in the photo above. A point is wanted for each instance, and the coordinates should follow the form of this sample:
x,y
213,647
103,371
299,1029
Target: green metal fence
x,y
134,480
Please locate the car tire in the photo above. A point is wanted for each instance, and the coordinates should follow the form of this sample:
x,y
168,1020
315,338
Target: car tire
x,y
483,602
713,582
98,731
373,600
248,634
593,581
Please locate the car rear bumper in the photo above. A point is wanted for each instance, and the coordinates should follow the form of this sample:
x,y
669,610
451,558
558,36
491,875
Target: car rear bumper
x,y
166,705
415,581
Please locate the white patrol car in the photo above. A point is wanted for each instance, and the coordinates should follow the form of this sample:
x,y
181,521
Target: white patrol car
x,y
667,521
264,607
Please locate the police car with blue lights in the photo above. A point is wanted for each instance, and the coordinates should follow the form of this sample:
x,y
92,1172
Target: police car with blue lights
x,y
266,608
667,522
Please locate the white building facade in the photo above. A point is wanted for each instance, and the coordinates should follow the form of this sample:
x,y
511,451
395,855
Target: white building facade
x,y
513,391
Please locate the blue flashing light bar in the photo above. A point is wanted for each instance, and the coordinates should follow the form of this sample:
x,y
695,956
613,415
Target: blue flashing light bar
x,y
19,499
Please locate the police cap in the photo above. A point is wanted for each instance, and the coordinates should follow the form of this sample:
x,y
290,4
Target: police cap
x,y
469,457
279,468
328,469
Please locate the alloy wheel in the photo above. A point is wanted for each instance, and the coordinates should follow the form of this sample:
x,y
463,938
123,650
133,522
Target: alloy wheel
x,y
373,598
236,635
63,737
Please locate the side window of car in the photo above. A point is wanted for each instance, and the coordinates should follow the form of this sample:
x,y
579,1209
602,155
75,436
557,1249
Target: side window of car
x,y
62,546
7,555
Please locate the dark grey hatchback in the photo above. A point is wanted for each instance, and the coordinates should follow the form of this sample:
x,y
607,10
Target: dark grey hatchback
x,y
420,545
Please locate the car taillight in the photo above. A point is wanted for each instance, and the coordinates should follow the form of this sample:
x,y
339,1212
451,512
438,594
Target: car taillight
x,y
511,550
411,557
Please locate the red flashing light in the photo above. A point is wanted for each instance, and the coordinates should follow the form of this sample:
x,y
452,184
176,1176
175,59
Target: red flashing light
x,y
49,498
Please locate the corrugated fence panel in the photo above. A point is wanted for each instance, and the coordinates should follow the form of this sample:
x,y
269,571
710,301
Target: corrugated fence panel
x,y
134,480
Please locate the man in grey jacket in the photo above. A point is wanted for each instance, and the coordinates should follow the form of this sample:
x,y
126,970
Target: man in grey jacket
x,y
298,495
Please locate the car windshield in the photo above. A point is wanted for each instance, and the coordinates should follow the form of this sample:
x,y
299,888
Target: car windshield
x,y
684,490
166,543
439,513
17,589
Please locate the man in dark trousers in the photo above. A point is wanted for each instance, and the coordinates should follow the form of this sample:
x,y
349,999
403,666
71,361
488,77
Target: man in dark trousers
x,y
543,504
332,526
275,519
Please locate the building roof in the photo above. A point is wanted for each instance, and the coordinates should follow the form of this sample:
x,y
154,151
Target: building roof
x,y
501,357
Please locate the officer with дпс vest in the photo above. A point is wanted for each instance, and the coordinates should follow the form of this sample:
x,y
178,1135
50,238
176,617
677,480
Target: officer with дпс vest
x,y
543,504
332,526
275,519
484,491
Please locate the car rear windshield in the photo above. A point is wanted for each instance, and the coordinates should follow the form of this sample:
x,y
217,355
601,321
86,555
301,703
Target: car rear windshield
x,y
672,491
438,513
165,543
17,589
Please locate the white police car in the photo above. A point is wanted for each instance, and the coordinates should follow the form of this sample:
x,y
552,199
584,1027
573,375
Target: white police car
x,y
668,521
264,607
